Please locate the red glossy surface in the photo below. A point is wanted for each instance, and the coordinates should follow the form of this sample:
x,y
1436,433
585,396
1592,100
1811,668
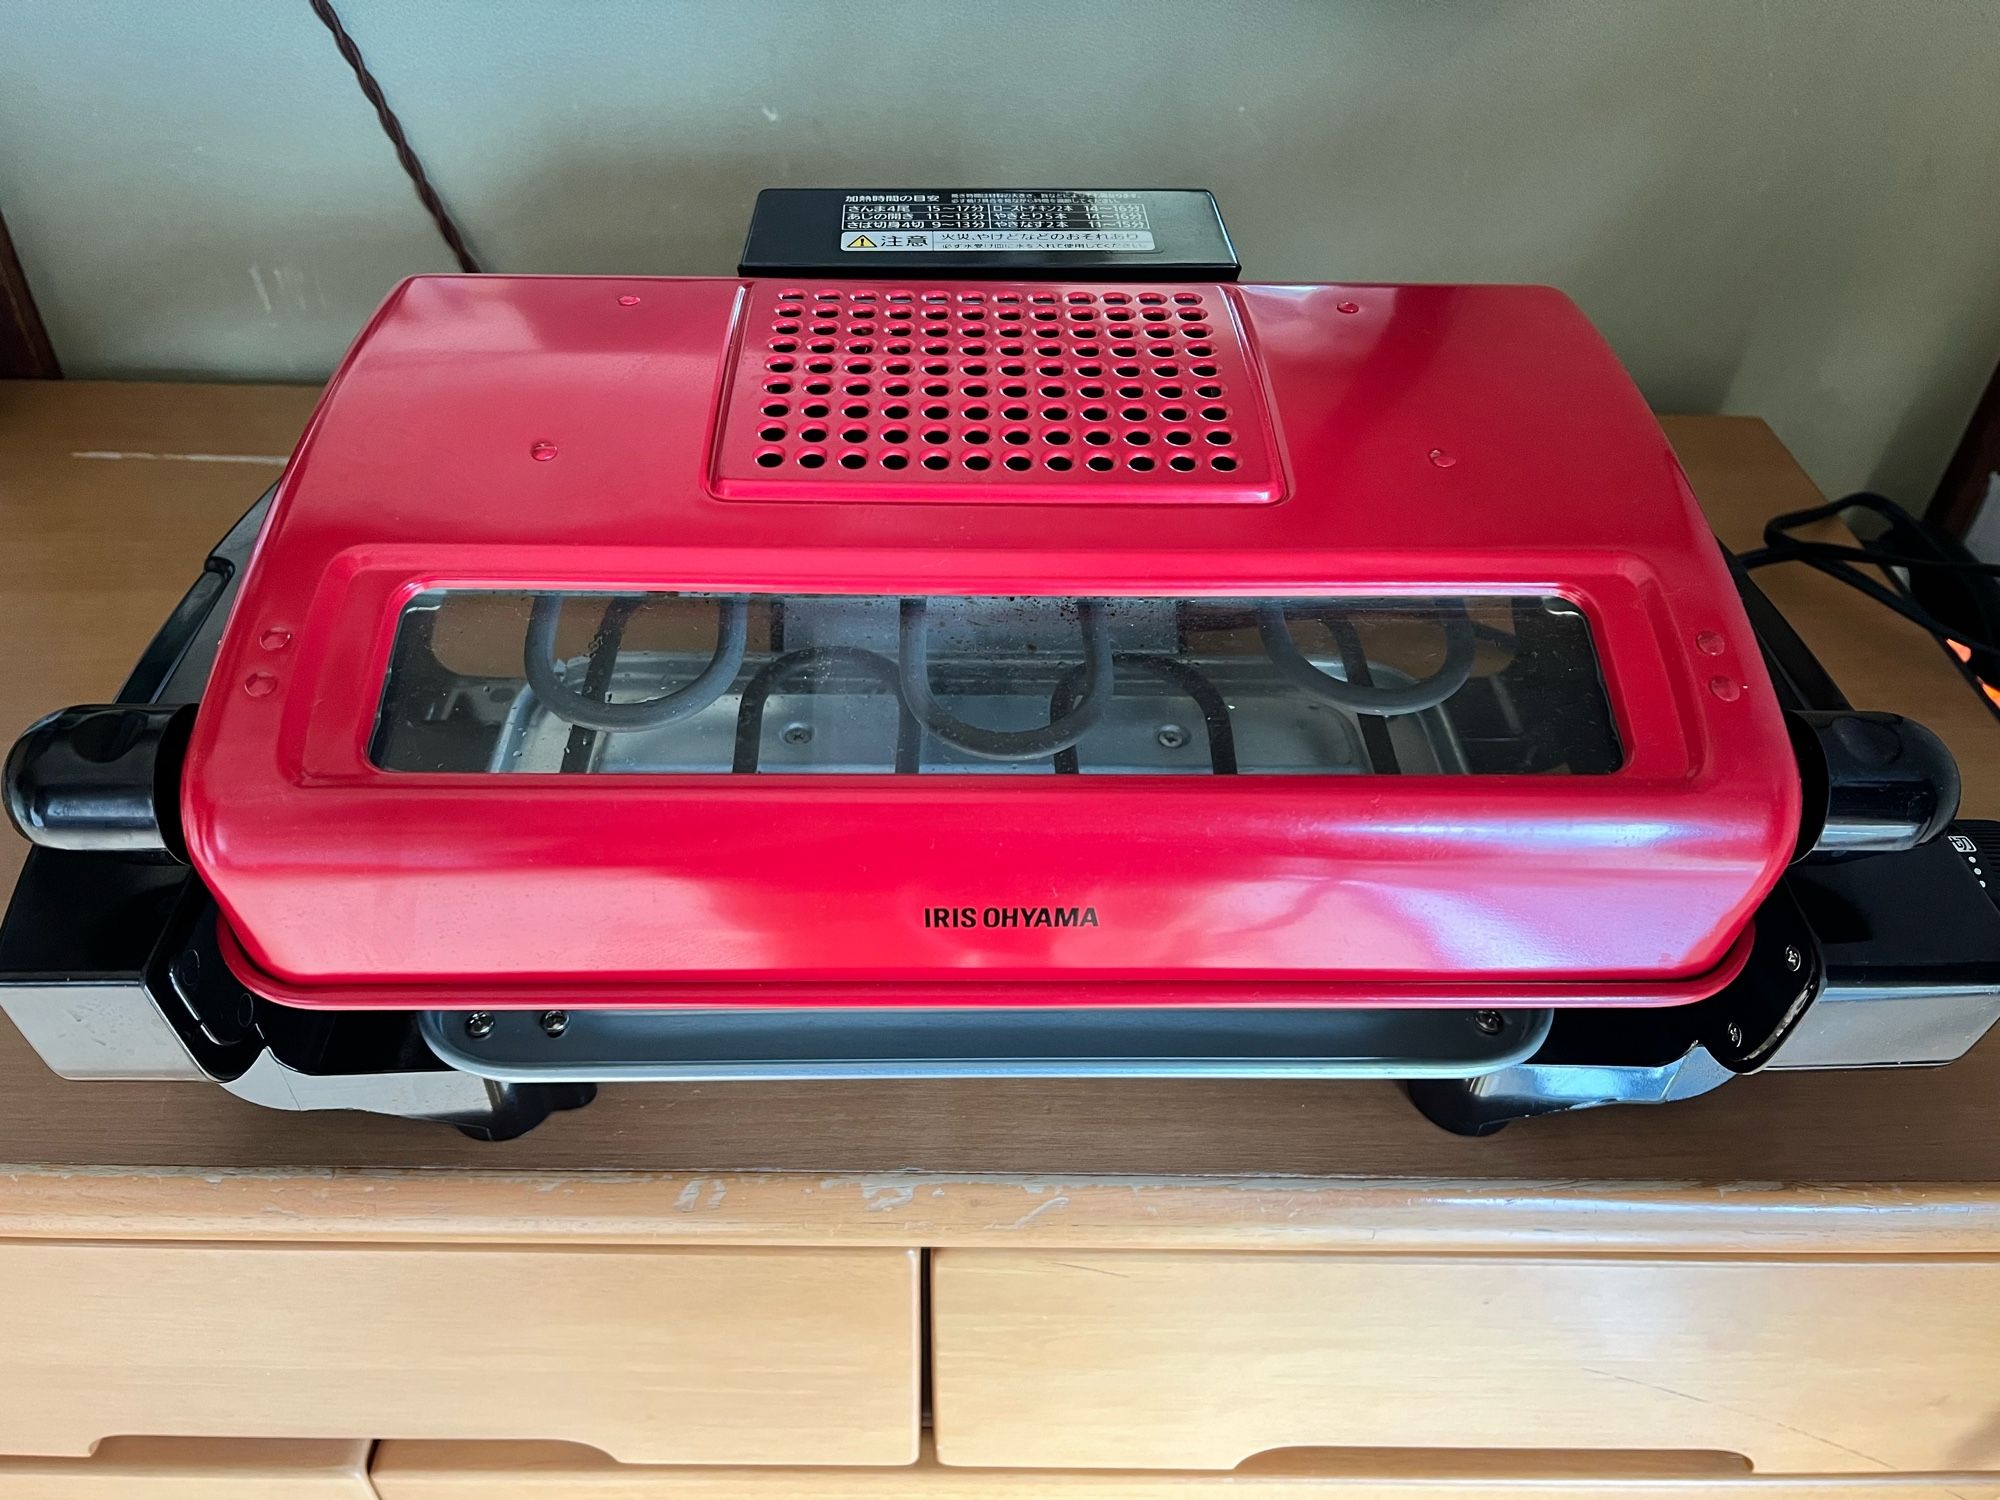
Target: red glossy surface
x,y
1048,393
344,884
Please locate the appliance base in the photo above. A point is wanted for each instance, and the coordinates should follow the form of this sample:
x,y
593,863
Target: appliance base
x,y
722,1045
109,966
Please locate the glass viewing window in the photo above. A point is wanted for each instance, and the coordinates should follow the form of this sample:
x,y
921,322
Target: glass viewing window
x,y
824,684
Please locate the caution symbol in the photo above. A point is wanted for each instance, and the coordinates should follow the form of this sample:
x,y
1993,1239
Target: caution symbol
x,y
861,242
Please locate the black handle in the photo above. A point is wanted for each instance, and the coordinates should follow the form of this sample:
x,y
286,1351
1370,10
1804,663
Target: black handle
x,y
105,778
1874,783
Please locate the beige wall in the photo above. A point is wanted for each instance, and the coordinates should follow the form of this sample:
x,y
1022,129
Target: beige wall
x,y
1789,207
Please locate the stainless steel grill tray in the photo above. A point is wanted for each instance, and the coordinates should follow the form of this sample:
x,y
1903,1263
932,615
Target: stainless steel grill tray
x,y
740,1043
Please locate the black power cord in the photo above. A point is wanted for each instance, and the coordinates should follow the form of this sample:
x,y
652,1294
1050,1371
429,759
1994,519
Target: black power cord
x,y
392,127
1942,559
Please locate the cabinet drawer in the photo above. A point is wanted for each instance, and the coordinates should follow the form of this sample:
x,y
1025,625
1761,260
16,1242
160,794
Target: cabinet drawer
x,y
194,1469
661,1356
545,1471
1133,1359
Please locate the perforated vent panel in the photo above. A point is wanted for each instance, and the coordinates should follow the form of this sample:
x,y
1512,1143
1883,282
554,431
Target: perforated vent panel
x,y
1010,393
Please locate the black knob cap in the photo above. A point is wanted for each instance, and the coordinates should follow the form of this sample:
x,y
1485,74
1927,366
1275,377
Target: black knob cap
x,y
1873,782
104,778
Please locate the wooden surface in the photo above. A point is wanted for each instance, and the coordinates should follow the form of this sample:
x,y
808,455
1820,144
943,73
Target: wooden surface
x,y
1371,1216
111,495
551,1471
196,1469
99,549
762,1356
1122,1360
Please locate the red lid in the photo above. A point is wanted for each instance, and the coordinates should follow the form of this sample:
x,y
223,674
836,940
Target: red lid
x,y
706,641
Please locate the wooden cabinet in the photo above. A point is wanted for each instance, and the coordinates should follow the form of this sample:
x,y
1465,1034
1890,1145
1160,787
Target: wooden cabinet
x,y
1148,1290
545,1471
750,1356
1200,1361
194,1469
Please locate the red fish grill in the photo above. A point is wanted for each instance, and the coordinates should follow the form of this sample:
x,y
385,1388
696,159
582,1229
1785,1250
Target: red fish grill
x,y
548,687
981,644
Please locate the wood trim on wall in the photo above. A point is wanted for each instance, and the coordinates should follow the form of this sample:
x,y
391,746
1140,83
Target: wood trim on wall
x,y
1969,473
25,350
